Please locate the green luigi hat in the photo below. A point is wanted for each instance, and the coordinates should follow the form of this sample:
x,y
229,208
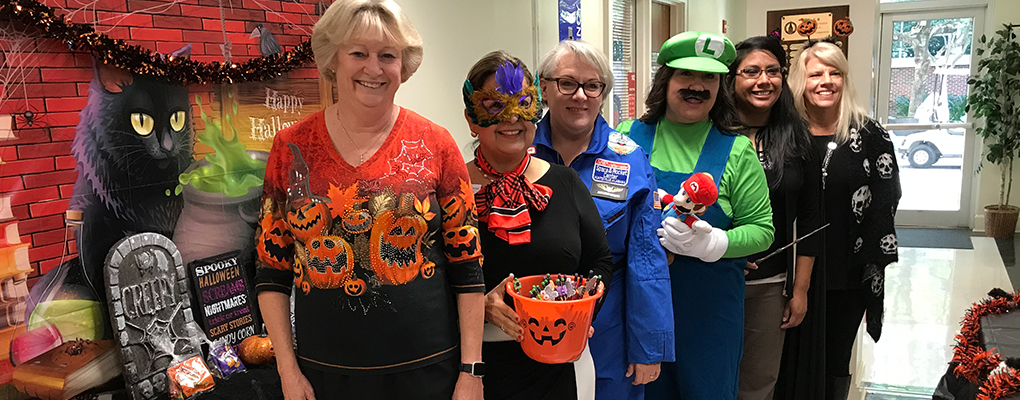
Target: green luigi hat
x,y
698,51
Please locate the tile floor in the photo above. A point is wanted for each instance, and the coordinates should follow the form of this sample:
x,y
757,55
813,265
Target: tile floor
x,y
928,291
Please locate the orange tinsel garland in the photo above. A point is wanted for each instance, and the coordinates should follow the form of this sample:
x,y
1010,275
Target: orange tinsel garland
x,y
1001,385
975,363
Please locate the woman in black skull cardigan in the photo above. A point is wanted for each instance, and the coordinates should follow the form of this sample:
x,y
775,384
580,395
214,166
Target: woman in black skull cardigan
x,y
861,185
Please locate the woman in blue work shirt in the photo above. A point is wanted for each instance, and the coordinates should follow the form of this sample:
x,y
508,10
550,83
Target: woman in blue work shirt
x,y
634,331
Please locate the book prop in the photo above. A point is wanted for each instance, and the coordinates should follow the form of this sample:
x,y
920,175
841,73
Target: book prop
x,y
558,319
68,370
223,297
151,311
696,194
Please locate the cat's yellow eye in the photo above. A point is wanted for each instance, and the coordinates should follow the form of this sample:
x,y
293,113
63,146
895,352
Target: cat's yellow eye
x,y
177,120
142,123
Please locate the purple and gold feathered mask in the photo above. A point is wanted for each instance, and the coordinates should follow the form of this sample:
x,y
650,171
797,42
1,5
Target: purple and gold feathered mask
x,y
510,97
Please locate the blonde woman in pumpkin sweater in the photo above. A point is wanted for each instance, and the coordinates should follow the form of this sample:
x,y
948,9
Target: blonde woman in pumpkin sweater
x,y
362,207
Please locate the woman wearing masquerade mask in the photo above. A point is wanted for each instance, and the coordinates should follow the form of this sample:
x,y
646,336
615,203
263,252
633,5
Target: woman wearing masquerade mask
x,y
386,305
687,127
634,332
776,298
555,228
861,189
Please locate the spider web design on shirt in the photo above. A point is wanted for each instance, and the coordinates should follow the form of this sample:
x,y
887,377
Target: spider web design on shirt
x,y
364,303
411,160
159,329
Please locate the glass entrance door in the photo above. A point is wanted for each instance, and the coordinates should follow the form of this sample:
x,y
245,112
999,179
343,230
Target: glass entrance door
x,y
925,61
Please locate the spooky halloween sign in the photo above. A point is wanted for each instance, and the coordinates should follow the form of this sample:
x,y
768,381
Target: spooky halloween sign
x,y
150,308
223,296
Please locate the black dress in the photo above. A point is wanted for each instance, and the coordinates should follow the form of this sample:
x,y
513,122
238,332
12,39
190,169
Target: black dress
x,y
567,237
796,202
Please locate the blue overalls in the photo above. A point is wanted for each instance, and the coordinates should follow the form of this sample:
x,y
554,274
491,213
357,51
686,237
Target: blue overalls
x,y
633,325
708,298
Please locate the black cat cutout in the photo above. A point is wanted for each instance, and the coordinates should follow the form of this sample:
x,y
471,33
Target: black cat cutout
x,y
134,138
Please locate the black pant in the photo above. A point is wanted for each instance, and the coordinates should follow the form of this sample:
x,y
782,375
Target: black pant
x,y
432,382
844,312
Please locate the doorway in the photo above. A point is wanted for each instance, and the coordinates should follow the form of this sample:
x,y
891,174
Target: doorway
x,y
925,59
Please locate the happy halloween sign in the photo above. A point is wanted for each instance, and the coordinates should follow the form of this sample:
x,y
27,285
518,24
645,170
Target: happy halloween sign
x,y
223,296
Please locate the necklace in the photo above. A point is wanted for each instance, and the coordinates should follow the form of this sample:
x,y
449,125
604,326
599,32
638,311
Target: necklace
x,y
361,154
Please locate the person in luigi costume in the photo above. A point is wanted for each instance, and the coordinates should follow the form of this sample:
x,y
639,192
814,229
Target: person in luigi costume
x,y
688,128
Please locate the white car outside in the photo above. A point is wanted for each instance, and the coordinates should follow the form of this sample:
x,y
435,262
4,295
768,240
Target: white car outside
x,y
923,149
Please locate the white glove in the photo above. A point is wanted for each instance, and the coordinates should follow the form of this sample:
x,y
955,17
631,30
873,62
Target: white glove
x,y
703,241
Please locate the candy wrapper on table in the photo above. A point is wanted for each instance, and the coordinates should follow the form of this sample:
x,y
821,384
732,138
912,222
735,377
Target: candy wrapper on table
x,y
186,375
189,378
224,359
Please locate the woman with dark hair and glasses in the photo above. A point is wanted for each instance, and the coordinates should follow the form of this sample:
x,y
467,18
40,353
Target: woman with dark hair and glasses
x,y
776,298
634,331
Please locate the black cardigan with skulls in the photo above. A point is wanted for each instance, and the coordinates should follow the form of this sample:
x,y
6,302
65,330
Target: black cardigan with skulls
x,y
862,190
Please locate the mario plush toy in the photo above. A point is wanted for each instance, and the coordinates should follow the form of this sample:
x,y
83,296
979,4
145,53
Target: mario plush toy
x,y
696,194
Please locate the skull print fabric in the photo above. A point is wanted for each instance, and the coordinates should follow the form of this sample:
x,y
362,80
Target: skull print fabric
x,y
382,247
861,196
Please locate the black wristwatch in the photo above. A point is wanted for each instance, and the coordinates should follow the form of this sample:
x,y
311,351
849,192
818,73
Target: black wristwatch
x,y
476,369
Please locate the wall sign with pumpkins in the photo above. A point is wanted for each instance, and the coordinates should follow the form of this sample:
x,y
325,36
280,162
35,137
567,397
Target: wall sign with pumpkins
x,y
795,27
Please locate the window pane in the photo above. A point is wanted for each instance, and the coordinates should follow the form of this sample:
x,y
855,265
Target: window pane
x,y
623,38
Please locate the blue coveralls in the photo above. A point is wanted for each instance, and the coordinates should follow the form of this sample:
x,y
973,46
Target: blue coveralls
x,y
708,298
634,323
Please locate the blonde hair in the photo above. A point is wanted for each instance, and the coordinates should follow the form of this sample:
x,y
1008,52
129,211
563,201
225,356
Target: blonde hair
x,y
345,19
585,52
851,112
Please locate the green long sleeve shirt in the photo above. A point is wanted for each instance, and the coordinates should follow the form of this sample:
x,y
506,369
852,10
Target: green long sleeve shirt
x,y
743,189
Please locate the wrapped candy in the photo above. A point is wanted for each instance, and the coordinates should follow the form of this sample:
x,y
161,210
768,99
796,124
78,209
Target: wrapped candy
x,y
189,378
224,360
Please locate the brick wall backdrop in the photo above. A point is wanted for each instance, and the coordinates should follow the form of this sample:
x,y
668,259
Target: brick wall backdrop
x,y
38,167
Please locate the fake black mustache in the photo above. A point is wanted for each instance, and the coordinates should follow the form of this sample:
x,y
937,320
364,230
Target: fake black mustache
x,y
688,94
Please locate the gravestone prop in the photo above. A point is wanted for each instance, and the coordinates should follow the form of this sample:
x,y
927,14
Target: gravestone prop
x,y
150,308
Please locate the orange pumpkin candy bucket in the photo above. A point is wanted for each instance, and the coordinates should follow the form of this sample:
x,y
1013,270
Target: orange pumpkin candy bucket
x,y
555,332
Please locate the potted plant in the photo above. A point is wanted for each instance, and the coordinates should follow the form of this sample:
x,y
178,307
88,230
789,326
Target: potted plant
x,y
995,98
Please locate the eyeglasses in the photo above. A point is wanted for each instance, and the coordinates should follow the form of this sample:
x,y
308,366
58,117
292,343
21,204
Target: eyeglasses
x,y
569,86
755,72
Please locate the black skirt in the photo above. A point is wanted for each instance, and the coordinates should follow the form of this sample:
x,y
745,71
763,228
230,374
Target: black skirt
x,y
511,375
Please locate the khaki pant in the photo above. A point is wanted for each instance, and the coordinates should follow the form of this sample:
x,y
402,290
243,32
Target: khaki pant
x,y
763,340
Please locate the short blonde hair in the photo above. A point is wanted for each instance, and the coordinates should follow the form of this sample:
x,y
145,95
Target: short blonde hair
x,y
851,112
345,19
585,52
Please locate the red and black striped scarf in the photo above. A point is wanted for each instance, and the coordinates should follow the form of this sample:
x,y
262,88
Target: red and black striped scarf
x,y
504,203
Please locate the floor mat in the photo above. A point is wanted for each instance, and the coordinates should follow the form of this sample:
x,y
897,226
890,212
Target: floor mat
x,y
934,238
